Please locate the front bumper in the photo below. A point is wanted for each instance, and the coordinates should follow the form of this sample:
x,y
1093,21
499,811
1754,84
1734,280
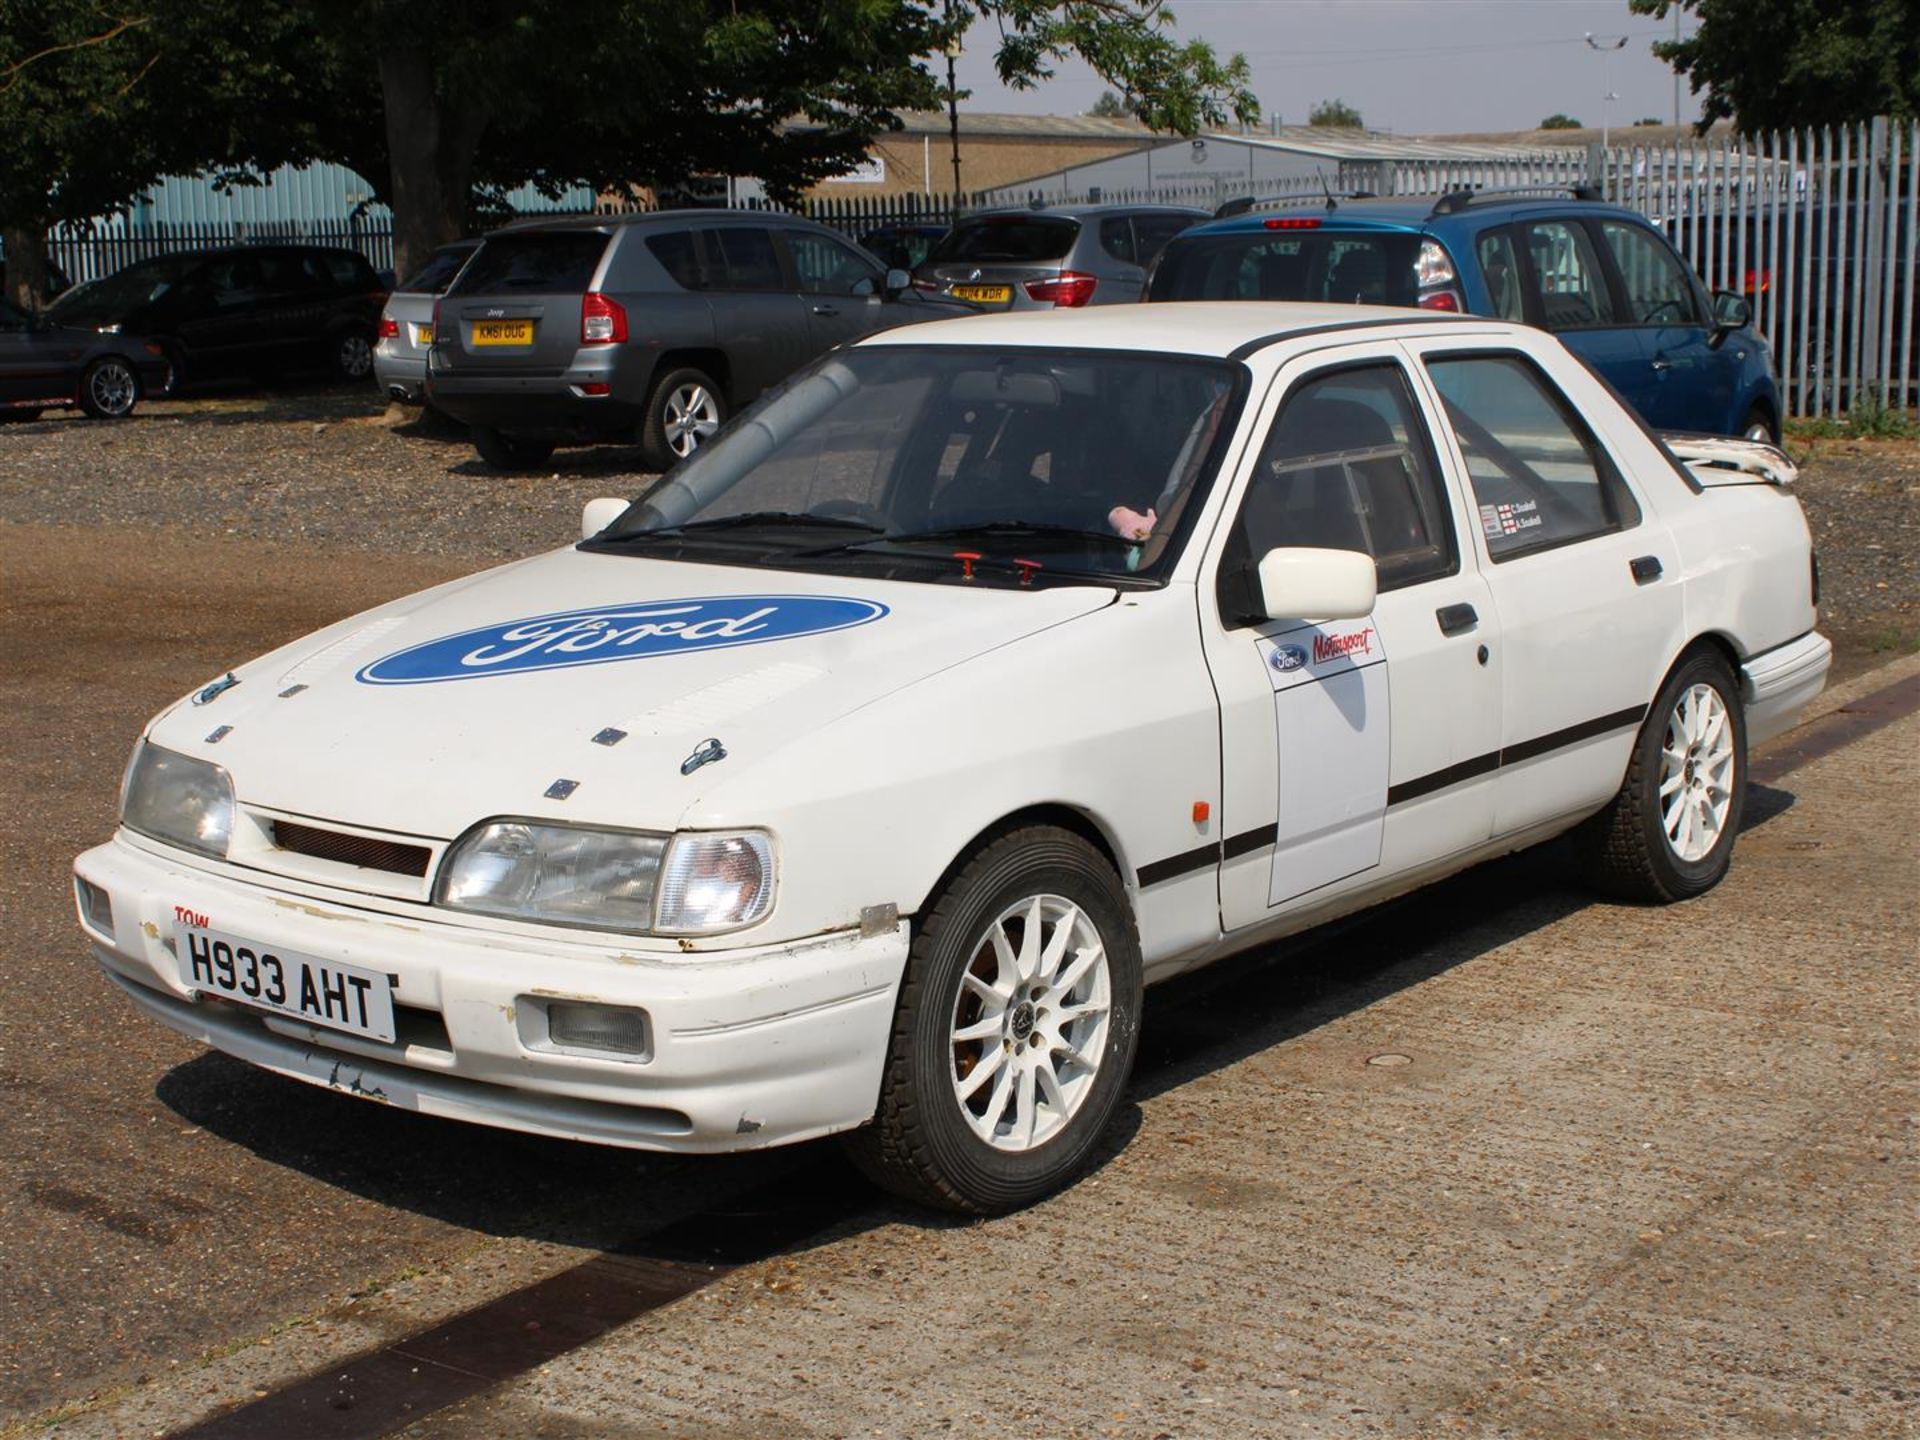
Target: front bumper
x,y
747,1049
1778,684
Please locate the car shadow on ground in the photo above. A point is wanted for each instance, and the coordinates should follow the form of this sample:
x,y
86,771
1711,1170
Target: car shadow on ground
x,y
505,1184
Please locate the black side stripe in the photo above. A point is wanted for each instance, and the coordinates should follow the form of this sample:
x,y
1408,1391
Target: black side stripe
x,y
1265,836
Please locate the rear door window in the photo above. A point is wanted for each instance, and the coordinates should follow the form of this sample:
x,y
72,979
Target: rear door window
x,y
747,259
549,262
1116,238
1008,239
678,252
1567,279
1152,232
1500,268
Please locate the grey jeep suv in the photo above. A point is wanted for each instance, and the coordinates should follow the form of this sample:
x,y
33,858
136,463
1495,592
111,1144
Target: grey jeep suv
x,y
652,328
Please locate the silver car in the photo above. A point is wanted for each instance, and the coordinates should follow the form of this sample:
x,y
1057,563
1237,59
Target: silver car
x,y
406,325
1064,257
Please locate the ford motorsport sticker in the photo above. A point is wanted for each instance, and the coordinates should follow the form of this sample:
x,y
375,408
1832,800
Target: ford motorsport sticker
x,y
605,633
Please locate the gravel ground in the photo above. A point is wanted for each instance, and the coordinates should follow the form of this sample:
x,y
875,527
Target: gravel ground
x,y
332,467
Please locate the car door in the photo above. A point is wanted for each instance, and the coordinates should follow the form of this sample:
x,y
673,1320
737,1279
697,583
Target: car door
x,y
1349,748
1566,291
28,369
1691,380
758,315
219,314
843,290
1589,613
294,292
1123,278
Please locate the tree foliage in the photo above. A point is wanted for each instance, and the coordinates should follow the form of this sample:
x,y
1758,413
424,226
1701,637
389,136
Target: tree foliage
x,y
1109,106
1782,64
1560,122
1334,115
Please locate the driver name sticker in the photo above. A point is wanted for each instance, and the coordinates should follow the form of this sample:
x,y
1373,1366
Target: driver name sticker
x,y
1509,518
602,634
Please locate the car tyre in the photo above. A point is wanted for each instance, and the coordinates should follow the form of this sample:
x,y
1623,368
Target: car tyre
x,y
998,1081
683,412
1759,426
352,355
109,389
511,452
1669,834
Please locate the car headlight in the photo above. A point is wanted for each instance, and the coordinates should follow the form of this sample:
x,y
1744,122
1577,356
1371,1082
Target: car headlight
x,y
177,799
631,881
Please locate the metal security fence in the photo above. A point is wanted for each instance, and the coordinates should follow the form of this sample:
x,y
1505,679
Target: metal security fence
x,y
88,252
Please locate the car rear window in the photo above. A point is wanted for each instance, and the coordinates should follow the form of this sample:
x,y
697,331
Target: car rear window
x,y
554,261
1343,268
1019,239
438,272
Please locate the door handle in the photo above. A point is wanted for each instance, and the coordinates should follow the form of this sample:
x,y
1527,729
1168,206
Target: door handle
x,y
825,310
1456,619
1646,569
1663,364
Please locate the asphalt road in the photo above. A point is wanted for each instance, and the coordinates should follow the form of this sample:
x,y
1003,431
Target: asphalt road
x,y
1642,1173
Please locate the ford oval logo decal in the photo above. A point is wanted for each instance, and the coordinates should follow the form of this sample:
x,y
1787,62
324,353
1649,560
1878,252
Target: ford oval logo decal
x,y
605,633
1287,657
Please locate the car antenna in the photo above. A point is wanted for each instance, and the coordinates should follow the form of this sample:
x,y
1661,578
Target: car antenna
x,y
1332,204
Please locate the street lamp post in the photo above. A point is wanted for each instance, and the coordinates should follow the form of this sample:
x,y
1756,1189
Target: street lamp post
x,y
1606,45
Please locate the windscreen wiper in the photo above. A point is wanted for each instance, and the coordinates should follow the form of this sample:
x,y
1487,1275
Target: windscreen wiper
x,y
752,520
993,529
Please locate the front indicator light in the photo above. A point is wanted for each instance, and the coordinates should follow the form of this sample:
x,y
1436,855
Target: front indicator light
x,y
716,882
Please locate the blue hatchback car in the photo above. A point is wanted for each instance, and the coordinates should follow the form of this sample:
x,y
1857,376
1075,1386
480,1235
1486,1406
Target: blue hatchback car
x,y
1598,276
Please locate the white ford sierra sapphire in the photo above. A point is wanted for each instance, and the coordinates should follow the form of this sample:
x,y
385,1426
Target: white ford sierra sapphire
x,y
858,775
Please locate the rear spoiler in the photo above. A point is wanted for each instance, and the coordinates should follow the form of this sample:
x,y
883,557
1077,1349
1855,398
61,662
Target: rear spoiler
x,y
1723,460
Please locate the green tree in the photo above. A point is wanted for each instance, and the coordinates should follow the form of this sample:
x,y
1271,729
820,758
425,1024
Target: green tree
x,y
1335,115
1109,106
1560,122
1781,64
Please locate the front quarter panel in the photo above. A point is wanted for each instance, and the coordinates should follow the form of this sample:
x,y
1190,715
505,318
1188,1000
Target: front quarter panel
x,y
1111,716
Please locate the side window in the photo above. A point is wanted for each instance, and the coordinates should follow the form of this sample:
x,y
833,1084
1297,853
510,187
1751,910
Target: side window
x,y
748,260
1658,291
1501,270
1566,274
285,272
678,252
230,282
1539,477
1116,238
1348,465
1152,232
826,267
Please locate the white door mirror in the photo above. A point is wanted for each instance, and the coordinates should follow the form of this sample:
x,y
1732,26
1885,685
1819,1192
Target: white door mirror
x,y
1297,583
598,514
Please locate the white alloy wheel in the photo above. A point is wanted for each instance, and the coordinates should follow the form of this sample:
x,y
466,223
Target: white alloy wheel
x,y
692,415
1030,1022
1696,772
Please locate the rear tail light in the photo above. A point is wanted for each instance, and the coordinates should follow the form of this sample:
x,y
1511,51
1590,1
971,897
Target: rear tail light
x,y
602,321
1068,290
1441,300
1756,282
931,286
1433,272
389,328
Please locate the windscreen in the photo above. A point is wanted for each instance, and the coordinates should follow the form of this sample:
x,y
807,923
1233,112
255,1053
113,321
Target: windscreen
x,y
139,284
1329,266
1083,463
547,262
1007,239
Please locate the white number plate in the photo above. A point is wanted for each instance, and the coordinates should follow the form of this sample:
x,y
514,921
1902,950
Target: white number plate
x,y
301,987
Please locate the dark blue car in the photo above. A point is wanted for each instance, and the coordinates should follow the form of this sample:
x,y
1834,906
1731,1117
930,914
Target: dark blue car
x,y
1600,277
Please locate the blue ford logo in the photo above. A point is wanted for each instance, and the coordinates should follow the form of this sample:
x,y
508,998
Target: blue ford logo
x,y
1287,657
606,633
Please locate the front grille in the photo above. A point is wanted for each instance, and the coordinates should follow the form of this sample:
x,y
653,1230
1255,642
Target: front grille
x,y
392,856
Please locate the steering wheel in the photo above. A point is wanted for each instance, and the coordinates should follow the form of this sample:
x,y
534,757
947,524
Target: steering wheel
x,y
853,510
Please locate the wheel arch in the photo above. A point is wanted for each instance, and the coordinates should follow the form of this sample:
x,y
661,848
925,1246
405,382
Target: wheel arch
x,y
699,357
1060,816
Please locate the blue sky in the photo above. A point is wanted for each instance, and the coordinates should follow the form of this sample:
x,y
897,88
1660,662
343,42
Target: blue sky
x,y
1411,66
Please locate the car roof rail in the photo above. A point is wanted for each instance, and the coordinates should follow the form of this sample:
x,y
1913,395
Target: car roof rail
x,y
1454,201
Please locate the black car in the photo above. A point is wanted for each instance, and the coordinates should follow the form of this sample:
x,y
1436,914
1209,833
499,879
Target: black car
x,y
50,367
252,311
650,328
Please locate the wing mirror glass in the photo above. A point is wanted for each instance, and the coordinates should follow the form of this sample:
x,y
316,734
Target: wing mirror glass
x,y
897,280
1731,311
1298,583
596,515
